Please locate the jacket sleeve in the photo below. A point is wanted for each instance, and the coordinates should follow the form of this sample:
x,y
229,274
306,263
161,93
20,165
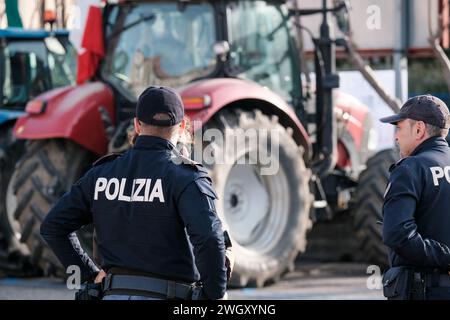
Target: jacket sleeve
x,y
197,210
71,212
399,225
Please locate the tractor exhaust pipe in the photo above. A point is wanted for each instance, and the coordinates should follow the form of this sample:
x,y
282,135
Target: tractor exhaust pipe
x,y
326,81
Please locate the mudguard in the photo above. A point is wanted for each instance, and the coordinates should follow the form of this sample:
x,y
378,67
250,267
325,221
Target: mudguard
x,y
73,113
355,143
223,92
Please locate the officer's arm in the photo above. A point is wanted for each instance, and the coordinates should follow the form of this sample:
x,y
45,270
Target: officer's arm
x,y
399,226
196,208
70,213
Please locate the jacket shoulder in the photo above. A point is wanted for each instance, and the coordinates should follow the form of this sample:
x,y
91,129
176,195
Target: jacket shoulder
x,y
106,158
396,164
413,162
186,162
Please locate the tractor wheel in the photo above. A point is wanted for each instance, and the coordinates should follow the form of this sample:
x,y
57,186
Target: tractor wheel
x,y
10,152
46,171
5,169
368,207
267,215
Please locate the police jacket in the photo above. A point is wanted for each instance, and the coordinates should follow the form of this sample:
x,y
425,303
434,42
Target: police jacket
x,y
416,211
151,213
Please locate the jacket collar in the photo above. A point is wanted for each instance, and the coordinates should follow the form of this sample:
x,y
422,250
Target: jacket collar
x,y
429,144
154,143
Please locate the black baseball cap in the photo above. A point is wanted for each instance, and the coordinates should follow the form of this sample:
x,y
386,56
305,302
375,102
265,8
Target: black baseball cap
x,y
426,108
155,100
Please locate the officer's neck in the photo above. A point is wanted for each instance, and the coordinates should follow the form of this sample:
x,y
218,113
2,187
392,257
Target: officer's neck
x,y
419,144
172,138
416,144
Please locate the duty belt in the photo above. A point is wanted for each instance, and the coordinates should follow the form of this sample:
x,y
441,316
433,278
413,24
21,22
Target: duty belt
x,y
167,288
437,280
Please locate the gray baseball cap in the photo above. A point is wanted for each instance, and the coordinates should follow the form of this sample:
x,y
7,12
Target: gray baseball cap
x,y
426,108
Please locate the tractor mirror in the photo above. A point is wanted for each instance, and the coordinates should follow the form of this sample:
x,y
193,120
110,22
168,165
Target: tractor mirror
x,y
55,46
341,15
221,49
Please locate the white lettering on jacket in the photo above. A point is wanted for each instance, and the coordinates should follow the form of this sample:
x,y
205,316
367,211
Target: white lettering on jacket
x,y
141,190
439,173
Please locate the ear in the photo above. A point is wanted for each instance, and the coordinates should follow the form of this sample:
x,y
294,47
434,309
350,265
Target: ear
x,y
421,130
137,126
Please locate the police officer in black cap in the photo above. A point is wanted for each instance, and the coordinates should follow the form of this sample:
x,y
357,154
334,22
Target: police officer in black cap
x,y
158,233
416,210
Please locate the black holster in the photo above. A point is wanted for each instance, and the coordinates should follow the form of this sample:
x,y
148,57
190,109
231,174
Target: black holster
x,y
397,283
404,283
418,286
91,291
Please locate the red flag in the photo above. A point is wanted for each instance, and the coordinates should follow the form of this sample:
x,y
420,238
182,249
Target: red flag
x,y
93,49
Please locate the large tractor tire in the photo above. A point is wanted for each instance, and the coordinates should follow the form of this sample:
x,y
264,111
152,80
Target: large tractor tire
x,y
5,168
46,171
10,152
267,216
368,207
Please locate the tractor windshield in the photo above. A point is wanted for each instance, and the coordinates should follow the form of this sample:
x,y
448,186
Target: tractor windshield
x,y
30,67
172,48
262,47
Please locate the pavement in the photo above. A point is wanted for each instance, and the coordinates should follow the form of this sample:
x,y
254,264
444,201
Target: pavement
x,y
309,281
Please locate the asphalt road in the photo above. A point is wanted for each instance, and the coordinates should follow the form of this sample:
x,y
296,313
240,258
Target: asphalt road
x,y
310,281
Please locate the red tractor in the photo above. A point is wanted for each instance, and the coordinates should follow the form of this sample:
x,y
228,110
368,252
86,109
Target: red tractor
x,y
237,66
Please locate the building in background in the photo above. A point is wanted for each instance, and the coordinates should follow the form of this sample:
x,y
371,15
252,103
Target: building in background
x,y
383,26
33,12
392,36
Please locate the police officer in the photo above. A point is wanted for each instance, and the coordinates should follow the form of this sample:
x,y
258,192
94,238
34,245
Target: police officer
x,y
154,214
416,216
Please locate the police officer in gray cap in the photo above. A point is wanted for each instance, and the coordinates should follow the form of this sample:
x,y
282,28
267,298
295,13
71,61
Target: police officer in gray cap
x,y
416,210
158,232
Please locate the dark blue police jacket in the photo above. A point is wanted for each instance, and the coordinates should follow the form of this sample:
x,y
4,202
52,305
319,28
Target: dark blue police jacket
x,y
150,213
416,210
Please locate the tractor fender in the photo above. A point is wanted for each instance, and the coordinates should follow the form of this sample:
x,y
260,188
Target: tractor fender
x,y
355,143
228,92
76,113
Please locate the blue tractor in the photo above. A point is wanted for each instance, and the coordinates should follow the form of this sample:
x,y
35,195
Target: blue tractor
x,y
31,62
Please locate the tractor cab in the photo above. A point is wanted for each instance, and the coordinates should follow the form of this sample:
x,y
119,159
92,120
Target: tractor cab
x,y
173,43
32,62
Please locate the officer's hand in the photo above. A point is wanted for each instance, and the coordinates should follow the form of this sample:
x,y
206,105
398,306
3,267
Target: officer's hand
x,y
229,262
100,276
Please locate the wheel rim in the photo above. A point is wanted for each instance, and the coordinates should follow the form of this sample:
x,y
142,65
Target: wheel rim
x,y
256,208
